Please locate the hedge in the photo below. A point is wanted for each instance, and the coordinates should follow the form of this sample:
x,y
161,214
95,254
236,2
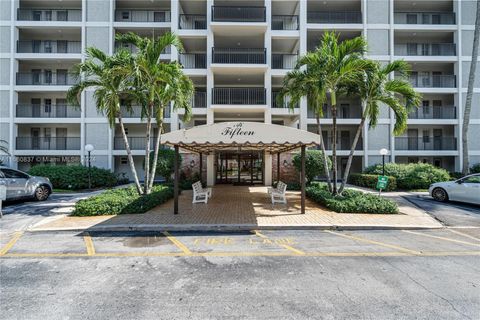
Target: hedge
x,y
370,181
475,168
351,201
122,201
75,177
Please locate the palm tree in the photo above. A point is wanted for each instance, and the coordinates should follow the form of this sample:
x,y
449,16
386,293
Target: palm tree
x,y
471,81
376,89
3,148
156,85
104,74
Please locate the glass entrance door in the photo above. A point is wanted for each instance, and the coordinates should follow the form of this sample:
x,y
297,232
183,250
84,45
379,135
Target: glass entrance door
x,y
240,167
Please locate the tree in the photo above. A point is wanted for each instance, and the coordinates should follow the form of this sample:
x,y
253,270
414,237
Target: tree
x,y
105,75
314,164
165,163
157,84
471,82
377,88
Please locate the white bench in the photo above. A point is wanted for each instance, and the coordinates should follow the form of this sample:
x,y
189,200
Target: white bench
x,y
200,194
278,194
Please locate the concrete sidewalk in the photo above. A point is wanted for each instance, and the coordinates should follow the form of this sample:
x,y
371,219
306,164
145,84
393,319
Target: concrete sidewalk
x,y
245,208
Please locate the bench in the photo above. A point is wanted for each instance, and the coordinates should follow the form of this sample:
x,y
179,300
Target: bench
x,y
200,194
278,194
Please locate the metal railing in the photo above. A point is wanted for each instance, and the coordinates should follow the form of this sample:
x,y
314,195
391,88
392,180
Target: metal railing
x,y
192,21
133,49
45,78
48,46
347,112
434,81
28,14
193,60
424,17
334,17
443,112
238,14
136,112
425,143
199,99
239,55
283,103
48,143
425,49
135,143
240,96
46,111
342,143
128,15
284,60
285,22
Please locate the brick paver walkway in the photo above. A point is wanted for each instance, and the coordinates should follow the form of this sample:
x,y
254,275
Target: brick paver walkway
x,y
245,206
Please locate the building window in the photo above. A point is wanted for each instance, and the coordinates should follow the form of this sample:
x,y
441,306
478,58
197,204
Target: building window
x,y
125,15
48,105
123,160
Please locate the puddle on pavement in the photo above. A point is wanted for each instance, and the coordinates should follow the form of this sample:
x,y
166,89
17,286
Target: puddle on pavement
x,y
142,242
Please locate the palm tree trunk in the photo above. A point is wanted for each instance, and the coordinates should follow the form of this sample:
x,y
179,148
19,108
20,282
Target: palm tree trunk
x,y
155,155
147,150
325,158
350,156
130,157
468,102
334,143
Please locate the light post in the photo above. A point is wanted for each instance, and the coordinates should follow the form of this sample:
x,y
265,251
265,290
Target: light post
x,y
89,148
383,152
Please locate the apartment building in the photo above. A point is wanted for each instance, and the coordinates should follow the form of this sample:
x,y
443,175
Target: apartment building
x,y
237,54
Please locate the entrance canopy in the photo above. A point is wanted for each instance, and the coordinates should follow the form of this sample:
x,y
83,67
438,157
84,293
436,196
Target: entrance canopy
x,y
245,135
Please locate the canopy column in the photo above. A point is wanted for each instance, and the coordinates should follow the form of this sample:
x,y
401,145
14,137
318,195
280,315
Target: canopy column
x,y
175,182
302,179
201,167
278,167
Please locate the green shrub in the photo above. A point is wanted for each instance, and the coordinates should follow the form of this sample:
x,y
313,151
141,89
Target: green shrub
x,y
75,177
313,164
351,201
165,163
413,175
122,201
370,181
475,168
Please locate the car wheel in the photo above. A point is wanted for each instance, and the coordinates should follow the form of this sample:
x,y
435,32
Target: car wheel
x,y
42,193
440,194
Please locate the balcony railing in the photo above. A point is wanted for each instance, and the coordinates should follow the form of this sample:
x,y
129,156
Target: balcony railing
x,y
284,60
347,112
48,46
239,96
199,99
334,17
136,112
45,78
284,22
46,111
424,17
128,15
135,143
193,60
239,55
342,143
28,14
238,14
425,49
192,21
133,49
48,143
443,112
282,104
426,143
434,81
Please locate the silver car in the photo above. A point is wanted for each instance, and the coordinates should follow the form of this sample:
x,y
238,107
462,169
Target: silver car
x,y
21,185
466,189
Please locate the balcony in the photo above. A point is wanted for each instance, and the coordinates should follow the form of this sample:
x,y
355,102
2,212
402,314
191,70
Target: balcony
x,y
128,15
342,143
28,14
285,22
344,111
426,143
46,111
193,60
239,96
446,18
425,49
199,99
328,17
444,112
192,22
238,14
239,55
133,49
284,60
48,143
48,46
135,143
279,105
136,112
45,79
434,81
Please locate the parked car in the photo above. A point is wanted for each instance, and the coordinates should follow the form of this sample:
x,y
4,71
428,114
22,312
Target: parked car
x,y
466,189
21,185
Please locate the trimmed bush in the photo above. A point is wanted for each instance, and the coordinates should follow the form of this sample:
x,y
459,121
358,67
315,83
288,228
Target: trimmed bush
x,y
475,168
412,176
370,181
313,164
122,201
75,177
165,163
351,201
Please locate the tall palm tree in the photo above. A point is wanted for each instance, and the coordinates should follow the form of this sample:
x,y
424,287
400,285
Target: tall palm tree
x,y
104,74
3,148
471,81
376,89
157,84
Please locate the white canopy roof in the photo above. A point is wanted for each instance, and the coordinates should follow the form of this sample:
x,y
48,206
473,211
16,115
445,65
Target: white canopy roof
x,y
245,135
